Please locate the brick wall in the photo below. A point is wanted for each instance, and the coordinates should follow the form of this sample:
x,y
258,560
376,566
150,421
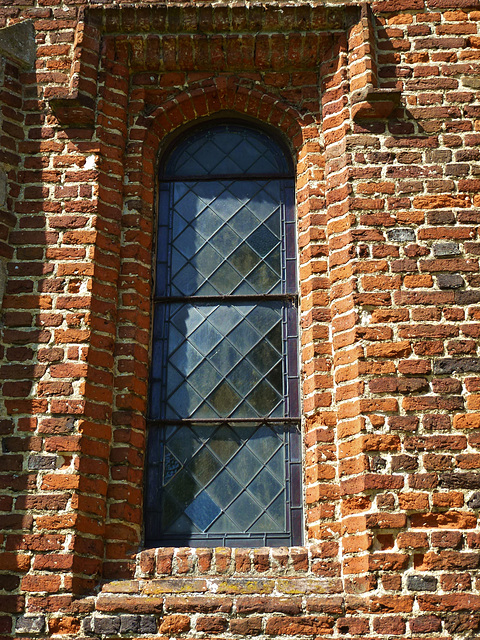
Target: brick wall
x,y
380,106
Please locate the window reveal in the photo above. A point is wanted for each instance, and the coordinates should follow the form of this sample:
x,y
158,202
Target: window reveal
x,y
224,449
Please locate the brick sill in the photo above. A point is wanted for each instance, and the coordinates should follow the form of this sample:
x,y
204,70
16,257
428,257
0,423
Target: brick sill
x,y
167,562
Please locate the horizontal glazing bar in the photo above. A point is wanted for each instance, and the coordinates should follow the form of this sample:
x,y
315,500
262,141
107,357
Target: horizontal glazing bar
x,y
232,297
229,176
158,422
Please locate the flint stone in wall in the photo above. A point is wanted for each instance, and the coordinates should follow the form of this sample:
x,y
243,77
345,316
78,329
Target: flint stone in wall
x,y
474,502
458,365
377,463
401,235
30,624
107,625
450,281
468,480
421,583
446,249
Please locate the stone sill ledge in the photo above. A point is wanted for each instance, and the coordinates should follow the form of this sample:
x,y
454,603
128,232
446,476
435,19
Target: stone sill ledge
x,y
222,586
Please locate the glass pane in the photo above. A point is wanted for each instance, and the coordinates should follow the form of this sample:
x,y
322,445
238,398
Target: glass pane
x,y
223,488
182,489
244,511
265,488
204,466
222,360
226,149
181,447
264,523
224,525
265,442
245,466
264,399
243,376
172,465
202,511
225,235
226,229
224,443
219,476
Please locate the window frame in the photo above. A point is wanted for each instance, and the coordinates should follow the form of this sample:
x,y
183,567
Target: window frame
x,y
291,422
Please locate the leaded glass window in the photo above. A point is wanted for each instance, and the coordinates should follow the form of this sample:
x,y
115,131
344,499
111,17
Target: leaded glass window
x,y
224,454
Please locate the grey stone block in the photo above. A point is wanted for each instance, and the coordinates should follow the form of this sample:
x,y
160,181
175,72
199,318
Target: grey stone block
x,y
456,365
467,297
129,624
30,624
42,462
467,480
401,235
87,625
107,625
17,42
446,249
137,624
148,624
450,281
421,583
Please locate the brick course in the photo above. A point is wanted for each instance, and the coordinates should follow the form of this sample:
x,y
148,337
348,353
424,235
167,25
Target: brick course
x,y
380,107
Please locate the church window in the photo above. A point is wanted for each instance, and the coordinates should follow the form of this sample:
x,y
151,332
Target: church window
x,y
224,446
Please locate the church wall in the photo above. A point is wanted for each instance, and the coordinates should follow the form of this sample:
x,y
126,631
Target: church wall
x,y
380,107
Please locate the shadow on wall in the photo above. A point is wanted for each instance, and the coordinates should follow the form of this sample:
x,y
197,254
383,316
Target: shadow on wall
x,y
33,250
17,50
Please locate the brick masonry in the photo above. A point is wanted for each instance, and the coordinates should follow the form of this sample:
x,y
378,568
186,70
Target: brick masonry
x,y
380,106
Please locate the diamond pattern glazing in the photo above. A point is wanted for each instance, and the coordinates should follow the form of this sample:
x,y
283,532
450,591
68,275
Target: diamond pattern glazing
x,y
224,360
234,479
226,238
226,150
224,462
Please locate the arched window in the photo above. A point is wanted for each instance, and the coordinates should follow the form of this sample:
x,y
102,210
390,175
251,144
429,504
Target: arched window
x,y
224,447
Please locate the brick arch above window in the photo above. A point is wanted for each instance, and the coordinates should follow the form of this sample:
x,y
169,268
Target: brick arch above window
x,y
232,94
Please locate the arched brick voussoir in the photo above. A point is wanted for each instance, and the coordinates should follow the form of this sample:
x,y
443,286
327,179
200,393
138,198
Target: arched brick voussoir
x,y
224,94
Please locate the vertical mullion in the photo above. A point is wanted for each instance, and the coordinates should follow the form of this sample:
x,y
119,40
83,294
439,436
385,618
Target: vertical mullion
x,y
163,241
291,277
